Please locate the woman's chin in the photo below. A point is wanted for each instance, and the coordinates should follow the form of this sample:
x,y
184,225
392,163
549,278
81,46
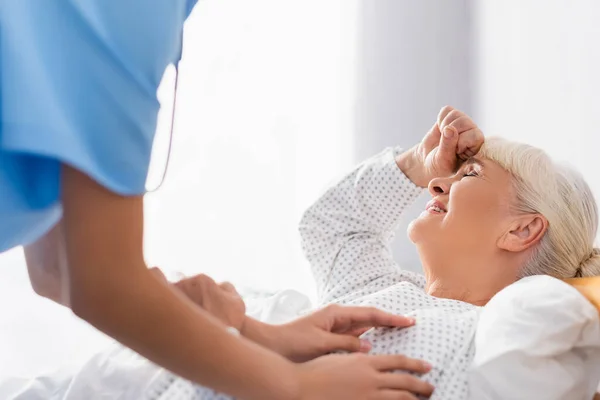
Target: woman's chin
x,y
413,230
422,226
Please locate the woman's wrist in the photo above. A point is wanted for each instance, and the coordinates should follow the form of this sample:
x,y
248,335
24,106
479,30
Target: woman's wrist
x,y
412,167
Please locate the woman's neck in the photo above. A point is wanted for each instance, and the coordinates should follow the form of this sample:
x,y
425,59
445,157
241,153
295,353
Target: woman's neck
x,y
470,283
447,290
436,289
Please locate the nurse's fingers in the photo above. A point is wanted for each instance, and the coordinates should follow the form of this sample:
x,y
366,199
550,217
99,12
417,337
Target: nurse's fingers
x,y
228,287
399,362
388,394
156,272
358,331
407,382
344,319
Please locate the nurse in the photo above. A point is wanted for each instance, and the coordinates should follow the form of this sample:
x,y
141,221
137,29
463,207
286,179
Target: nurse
x,y
78,82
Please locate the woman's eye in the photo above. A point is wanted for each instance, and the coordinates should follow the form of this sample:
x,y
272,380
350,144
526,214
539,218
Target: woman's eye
x,y
470,173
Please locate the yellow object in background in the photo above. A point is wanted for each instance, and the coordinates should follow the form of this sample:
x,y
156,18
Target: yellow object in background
x,y
589,287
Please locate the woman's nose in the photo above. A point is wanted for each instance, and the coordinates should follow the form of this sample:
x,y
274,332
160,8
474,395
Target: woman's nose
x,y
439,186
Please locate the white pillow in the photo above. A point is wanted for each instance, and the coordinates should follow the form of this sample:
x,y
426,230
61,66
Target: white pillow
x,y
538,338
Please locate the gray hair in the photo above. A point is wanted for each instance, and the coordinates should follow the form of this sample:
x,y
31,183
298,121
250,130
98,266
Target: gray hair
x,y
562,196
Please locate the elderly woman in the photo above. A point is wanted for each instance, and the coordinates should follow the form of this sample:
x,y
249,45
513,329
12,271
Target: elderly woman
x,y
499,212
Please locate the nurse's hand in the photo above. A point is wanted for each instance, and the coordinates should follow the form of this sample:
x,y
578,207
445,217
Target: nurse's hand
x,y
220,300
333,328
360,376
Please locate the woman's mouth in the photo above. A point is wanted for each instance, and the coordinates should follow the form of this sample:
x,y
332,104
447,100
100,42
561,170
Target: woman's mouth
x,y
435,207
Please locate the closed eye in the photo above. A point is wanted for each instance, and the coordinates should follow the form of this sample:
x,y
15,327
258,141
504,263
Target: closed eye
x,y
470,173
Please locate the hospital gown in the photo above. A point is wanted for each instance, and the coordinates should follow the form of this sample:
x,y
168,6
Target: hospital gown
x,y
346,237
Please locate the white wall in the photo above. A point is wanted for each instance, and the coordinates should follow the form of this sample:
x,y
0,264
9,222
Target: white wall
x,y
538,80
413,58
262,125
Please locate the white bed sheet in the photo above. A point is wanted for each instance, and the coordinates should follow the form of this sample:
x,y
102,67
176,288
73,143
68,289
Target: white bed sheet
x,y
37,335
118,373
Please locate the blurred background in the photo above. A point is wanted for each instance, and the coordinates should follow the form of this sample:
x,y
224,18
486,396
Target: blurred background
x,y
278,98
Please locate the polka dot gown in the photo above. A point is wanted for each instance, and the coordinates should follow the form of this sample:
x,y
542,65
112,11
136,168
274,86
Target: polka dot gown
x,y
346,237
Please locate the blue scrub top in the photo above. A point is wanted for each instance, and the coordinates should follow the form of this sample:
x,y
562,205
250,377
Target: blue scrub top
x,y
78,82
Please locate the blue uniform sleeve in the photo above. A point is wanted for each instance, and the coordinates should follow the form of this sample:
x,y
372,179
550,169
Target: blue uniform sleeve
x,y
78,85
78,81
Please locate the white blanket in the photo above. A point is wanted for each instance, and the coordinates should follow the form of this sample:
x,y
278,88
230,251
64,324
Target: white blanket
x,y
121,374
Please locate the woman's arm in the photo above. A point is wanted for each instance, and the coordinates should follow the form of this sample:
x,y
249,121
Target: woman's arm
x,y
346,234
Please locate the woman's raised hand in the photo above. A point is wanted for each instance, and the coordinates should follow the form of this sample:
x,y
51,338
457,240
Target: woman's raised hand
x,y
453,139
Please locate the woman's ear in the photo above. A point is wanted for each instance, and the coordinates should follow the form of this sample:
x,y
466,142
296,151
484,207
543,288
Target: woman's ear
x,y
524,232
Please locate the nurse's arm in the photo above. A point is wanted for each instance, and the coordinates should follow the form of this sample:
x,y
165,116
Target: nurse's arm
x,y
46,261
110,287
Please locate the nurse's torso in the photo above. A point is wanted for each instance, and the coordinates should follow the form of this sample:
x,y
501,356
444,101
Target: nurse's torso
x,y
78,81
